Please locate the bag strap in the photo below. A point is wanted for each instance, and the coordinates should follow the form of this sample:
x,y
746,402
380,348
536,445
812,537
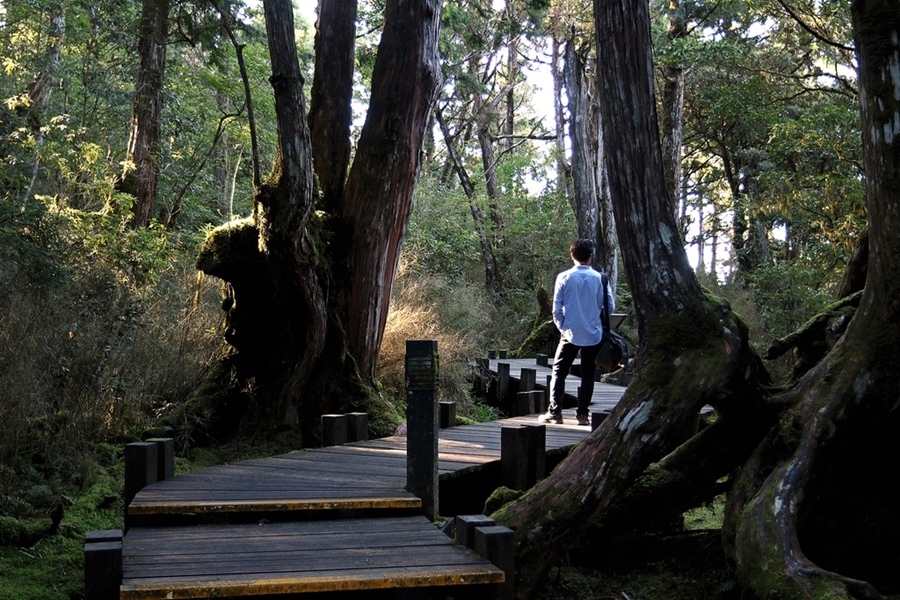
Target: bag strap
x,y
604,314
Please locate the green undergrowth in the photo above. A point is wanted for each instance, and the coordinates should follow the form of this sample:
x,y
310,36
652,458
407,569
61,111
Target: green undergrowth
x,y
52,567
681,565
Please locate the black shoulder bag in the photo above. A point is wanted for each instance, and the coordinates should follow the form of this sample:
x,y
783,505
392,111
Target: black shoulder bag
x,y
614,348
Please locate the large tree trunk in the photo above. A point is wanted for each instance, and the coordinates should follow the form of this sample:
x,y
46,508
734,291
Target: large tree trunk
x,y
310,290
693,351
815,512
141,172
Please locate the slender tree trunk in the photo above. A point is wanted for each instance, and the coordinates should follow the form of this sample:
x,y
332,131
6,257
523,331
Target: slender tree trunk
x,y
584,161
141,172
563,169
491,270
37,95
609,240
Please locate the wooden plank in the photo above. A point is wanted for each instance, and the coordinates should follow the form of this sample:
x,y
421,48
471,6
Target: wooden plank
x,y
311,556
287,583
286,505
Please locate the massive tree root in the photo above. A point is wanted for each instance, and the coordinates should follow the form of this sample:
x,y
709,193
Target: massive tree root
x,y
813,514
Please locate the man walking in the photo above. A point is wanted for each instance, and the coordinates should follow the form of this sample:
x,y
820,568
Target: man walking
x,y
577,302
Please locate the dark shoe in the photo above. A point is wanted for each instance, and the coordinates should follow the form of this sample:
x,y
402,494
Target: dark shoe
x,y
583,420
549,417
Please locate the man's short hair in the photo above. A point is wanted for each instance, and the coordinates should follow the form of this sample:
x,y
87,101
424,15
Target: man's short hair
x,y
582,249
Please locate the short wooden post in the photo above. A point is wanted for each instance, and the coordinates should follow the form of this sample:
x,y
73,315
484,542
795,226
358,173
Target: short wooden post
x,y
528,403
502,353
483,379
543,360
528,380
523,455
513,456
466,525
522,404
448,414
357,426
334,430
537,453
422,418
141,468
597,417
502,381
497,544
492,354
165,454
102,565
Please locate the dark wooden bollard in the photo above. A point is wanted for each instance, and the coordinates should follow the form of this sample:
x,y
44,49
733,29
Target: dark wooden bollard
x,y
466,525
528,380
141,468
422,423
529,403
497,544
165,455
597,417
357,426
334,430
102,564
543,360
523,455
448,414
483,377
502,382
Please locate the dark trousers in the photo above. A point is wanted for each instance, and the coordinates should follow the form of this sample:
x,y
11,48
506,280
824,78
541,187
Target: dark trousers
x,y
562,364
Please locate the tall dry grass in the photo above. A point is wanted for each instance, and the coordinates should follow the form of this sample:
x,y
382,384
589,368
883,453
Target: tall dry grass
x,y
434,307
90,360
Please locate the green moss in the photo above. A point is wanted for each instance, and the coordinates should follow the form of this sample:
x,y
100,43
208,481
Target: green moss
x,y
228,248
499,498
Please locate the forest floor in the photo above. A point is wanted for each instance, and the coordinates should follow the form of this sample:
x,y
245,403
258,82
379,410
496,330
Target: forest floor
x,y
683,565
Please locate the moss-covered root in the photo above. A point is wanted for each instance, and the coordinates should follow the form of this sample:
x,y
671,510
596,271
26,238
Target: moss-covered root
x,y
836,411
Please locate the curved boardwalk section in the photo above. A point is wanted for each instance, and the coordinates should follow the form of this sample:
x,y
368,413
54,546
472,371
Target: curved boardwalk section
x,y
335,519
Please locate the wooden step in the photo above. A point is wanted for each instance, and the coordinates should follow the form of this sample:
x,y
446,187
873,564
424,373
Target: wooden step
x,y
209,561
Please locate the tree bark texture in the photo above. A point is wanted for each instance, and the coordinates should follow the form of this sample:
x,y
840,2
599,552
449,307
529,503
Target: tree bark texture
x,y
330,111
141,172
843,417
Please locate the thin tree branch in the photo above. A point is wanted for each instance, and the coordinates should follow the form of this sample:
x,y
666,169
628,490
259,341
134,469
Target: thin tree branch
x,y
812,31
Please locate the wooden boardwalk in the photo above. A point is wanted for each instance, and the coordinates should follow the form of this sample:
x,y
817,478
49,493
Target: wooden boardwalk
x,y
321,520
